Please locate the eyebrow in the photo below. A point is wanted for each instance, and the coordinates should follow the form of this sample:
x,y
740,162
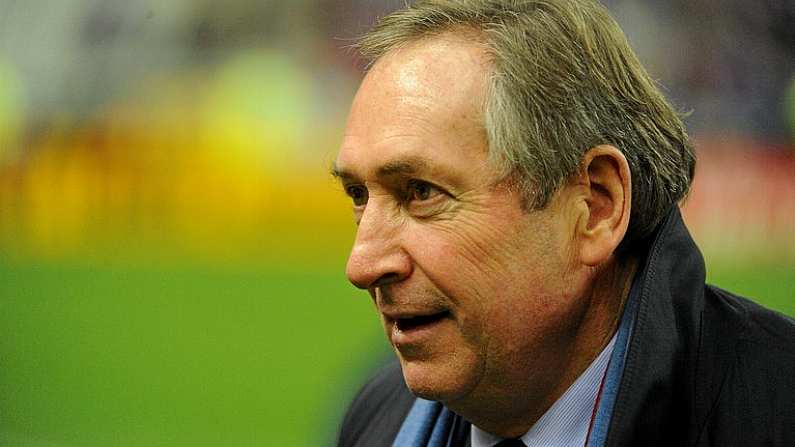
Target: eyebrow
x,y
401,166
338,173
405,166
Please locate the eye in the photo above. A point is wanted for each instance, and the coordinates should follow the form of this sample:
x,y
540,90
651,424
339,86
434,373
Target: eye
x,y
358,193
420,191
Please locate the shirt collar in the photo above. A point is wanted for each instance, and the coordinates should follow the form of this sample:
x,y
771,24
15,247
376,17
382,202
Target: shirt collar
x,y
566,422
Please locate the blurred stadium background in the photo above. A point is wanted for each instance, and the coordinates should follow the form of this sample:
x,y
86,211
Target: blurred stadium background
x,y
172,248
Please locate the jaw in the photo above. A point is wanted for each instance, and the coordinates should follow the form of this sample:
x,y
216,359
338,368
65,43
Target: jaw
x,y
446,370
566,349
429,381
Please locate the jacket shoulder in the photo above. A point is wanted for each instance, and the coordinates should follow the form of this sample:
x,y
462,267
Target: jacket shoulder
x,y
755,405
378,410
773,331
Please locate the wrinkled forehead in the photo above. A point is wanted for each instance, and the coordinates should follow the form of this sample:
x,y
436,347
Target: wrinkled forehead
x,y
448,71
418,98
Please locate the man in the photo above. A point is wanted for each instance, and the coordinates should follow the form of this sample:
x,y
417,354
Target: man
x,y
515,175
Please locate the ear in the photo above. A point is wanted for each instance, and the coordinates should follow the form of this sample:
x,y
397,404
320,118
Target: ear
x,y
606,192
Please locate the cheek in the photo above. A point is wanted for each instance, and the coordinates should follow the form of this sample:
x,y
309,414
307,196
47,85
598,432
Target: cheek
x,y
464,249
493,270
525,333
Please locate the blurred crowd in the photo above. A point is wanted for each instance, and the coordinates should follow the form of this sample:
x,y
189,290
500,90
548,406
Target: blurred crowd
x,y
189,121
730,62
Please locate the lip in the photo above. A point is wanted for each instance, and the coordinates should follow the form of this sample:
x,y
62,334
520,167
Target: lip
x,y
409,328
405,312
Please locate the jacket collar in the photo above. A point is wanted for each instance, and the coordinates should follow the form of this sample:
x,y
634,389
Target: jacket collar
x,y
665,338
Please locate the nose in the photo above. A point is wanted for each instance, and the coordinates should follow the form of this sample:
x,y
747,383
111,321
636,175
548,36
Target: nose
x,y
377,257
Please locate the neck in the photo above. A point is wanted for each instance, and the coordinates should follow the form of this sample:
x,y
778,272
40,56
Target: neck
x,y
513,409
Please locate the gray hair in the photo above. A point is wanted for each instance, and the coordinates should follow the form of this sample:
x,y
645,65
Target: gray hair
x,y
564,80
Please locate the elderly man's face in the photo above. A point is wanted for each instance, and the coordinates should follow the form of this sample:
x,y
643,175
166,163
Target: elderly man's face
x,y
474,292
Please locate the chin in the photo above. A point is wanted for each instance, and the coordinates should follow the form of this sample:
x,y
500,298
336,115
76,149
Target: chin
x,y
443,383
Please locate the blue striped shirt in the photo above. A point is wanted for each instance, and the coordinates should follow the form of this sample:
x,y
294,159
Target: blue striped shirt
x,y
566,422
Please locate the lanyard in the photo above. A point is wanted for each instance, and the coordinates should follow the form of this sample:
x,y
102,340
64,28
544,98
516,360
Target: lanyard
x,y
596,402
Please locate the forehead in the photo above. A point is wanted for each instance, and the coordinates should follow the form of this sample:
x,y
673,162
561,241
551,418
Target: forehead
x,y
422,103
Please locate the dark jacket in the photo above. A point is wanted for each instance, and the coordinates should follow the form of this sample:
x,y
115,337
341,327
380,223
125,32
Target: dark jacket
x,y
704,367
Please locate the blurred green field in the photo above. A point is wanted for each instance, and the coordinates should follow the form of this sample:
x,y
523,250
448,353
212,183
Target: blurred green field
x,y
96,356
157,357
769,282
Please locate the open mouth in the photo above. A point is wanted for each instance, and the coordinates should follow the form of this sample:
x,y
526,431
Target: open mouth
x,y
407,324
